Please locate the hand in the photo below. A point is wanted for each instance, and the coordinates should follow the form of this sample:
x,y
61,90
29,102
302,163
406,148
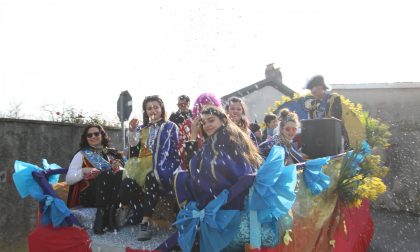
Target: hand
x,y
116,164
133,124
91,175
195,128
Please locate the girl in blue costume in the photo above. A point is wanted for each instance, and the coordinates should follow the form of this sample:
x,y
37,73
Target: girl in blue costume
x,y
155,145
223,166
289,122
236,110
95,177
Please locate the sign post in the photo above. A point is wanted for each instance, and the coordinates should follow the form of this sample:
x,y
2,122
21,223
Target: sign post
x,y
124,108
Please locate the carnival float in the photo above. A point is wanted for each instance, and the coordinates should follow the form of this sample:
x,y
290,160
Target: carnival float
x,y
322,204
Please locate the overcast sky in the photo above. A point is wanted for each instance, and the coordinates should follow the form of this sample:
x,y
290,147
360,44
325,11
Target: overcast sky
x,y
83,53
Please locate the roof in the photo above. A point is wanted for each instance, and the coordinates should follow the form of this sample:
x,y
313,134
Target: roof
x,y
272,82
376,85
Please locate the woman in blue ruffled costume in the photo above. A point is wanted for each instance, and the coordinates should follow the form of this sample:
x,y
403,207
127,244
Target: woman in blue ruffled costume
x,y
154,147
222,194
289,123
95,177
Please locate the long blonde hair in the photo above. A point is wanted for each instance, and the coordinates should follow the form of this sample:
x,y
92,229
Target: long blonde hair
x,y
236,135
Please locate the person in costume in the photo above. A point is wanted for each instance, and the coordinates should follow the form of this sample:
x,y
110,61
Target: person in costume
x,y
271,123
289,123
227,160
184,112
325,104
201,102
154,144
236,110
256,129
94,177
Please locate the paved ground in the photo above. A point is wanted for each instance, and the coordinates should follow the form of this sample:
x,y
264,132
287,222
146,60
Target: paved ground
x,y
395,232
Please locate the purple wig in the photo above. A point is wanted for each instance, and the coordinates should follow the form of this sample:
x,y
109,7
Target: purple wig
x,y
203,100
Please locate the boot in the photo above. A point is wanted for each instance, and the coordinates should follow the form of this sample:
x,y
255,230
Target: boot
x,y
112,223
99,225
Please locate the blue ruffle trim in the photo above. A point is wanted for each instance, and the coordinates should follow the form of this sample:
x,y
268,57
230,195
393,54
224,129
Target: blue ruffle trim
x,y
274,188
315,180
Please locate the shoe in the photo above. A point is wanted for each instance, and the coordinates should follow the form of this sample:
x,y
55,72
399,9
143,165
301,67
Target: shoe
x,y
145,233
99,225
112,223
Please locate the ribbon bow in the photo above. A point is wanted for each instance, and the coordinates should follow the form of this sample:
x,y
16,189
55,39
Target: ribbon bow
x,y
314,177
54,211
216,227
274,189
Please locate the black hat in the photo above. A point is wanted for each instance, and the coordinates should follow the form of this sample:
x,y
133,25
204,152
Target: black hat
x,y
184,97
316,81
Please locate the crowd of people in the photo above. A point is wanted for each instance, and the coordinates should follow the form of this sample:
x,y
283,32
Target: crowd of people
x,y
194,155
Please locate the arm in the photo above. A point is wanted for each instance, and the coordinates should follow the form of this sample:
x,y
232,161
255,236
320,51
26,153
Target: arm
x,y
75,174
336,109
166,146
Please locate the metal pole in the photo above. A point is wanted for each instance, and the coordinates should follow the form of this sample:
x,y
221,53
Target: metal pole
x,y
123,135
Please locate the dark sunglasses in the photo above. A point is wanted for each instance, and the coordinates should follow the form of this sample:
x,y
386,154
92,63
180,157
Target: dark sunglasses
x,y
291,129
89,135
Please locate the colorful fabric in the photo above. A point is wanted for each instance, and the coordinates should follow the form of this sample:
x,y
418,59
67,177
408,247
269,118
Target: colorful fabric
x,y
96,159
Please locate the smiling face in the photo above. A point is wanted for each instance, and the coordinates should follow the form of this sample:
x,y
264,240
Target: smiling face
x,y
273,124
210,123
235,111
154,111
289,130
183,105
94,137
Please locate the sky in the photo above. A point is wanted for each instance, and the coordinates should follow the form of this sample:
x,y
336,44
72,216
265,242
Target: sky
x,y
84,53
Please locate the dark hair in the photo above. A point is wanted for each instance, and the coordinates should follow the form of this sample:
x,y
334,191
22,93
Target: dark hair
x,y
184,97
150,99
254,127
287,116
236,135
243,123
269,117
106,140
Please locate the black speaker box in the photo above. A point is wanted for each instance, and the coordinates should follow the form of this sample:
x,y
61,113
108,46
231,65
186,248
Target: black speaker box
x,y
321,137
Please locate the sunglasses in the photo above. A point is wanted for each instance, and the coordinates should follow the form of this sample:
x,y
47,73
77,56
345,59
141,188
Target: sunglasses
x,y
90,135
290,129
182,104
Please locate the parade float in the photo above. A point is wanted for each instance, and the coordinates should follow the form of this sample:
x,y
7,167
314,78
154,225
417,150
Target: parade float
x,y
319,205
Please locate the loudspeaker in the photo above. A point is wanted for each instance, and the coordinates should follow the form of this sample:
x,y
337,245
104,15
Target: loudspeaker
x,y
321,137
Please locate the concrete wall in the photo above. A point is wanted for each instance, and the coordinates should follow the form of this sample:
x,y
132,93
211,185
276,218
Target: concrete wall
x,y
259,101
30,141
399,108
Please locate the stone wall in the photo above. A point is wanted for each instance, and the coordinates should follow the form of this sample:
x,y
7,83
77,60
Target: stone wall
x,y
30,141
398,106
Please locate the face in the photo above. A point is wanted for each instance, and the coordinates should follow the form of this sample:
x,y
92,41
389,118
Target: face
x,y
154,111
258,133
273,124
289,130
94,137
318,92
183,105
211,124
235,111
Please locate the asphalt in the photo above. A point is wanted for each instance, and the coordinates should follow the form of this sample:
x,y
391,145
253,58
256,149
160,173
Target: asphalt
x,y
395,231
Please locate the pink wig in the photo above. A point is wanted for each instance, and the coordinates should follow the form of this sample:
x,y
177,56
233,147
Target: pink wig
x,y
203,100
